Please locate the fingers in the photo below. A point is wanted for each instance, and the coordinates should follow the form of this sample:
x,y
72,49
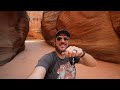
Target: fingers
x,y
73,51
79,52
68,51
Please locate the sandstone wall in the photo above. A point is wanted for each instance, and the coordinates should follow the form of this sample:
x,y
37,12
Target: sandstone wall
x,y
14,27
95,31
35,24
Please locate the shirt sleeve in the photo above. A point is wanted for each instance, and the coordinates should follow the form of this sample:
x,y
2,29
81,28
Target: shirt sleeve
x,y
45,61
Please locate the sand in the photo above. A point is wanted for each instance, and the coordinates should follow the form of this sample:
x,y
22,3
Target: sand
x,y
23,64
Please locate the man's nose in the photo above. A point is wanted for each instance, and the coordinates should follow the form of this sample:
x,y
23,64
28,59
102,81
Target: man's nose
x,y
62,40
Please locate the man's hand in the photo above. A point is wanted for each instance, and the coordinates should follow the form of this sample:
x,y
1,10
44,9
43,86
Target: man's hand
x,y
73,51
87,59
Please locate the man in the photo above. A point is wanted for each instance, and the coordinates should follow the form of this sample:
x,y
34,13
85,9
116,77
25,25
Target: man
x,y
60,64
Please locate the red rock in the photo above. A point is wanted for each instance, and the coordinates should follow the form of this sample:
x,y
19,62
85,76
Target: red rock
x,y
14,27
35,24
115,18
91,30
48,26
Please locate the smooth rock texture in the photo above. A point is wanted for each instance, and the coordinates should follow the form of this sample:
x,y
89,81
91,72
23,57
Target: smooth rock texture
x,y
115,17
91,30
35,24
14,27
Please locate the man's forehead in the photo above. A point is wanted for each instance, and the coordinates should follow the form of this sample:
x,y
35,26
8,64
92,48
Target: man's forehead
x,y
62,34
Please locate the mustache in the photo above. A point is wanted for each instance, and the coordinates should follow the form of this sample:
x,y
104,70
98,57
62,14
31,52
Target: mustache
x,y
62,43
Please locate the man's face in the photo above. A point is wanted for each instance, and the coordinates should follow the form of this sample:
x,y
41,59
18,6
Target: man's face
x,y
61,43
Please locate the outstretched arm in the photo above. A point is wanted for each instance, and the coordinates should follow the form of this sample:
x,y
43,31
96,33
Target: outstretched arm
x,y
38,73
86,59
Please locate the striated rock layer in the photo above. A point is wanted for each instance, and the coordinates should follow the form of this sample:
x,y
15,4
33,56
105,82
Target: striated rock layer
x,y
115,17
35,24
95,31
14,27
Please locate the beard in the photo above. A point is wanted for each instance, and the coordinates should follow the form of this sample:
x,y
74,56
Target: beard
x,y
60,51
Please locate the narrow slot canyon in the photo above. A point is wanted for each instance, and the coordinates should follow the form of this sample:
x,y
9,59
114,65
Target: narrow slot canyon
x,y
26,36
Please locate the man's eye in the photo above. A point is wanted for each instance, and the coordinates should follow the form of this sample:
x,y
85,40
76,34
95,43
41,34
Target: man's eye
x,y
66,38
59,38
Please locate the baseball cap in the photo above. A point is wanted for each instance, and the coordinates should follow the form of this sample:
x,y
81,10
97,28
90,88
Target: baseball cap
x,y
62,31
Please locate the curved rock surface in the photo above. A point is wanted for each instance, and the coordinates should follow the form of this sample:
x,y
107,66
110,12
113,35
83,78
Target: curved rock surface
x,y
14,27
115,17
94,31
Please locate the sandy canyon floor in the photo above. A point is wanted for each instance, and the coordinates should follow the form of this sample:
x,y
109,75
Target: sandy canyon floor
x,y
23,64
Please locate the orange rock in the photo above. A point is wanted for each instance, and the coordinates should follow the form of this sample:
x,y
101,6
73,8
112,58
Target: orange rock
x,y
91,30
35,24
14,27
115,17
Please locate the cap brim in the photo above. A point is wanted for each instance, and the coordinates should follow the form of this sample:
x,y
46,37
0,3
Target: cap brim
x,y
63,31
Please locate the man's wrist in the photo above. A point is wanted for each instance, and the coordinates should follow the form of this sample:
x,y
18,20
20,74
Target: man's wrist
x,y
83,54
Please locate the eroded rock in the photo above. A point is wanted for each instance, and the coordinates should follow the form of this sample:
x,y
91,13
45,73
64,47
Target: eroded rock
x,y
91,30
14,27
